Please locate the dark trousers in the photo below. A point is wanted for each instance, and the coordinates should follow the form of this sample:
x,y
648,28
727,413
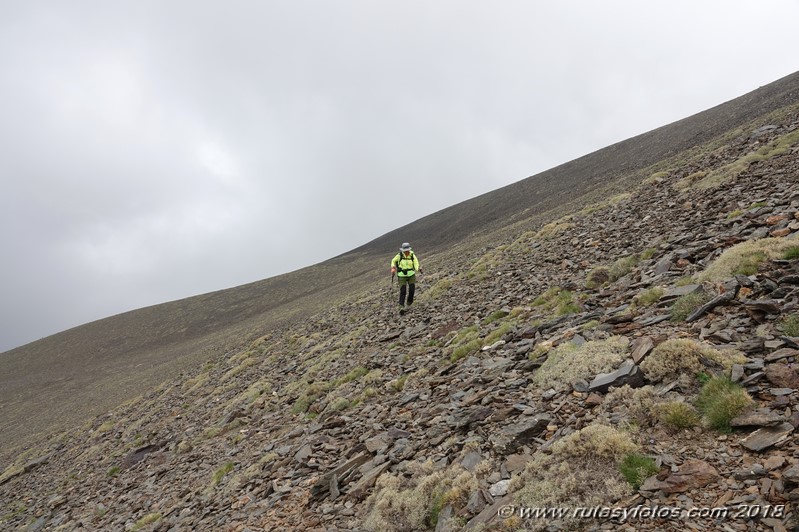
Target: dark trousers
x,y
410,284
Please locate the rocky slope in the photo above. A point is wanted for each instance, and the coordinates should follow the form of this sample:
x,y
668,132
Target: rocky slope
x,y
524,376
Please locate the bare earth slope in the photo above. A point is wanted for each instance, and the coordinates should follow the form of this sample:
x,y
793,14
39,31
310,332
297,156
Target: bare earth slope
x,y
311,396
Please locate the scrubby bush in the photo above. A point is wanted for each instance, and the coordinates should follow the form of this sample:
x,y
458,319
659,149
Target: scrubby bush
x,y
582,470
569,362
636,405
681,356
721,400
401,503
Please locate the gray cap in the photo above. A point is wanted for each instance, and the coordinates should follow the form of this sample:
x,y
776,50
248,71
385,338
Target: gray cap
x,y
405,247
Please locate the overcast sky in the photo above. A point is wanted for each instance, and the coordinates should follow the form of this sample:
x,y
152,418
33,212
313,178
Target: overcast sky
x,y
154,150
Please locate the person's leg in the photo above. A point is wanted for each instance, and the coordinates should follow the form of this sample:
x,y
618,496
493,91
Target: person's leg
x,y
402,294
411,290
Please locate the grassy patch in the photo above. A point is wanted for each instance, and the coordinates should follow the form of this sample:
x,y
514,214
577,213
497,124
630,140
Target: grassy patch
x,y
494,316
623,266
437,290
146,520
683,356
498,333
685,305
636,468
465,343
353,375
603,275
791,253
678,415
650,296
597,277
220,473
487,262
558,300
552,229
399,384
312,392
465,350
648,253
568,362
750,264
721,400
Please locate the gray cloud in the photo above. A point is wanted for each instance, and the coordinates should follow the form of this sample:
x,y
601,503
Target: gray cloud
x,y
157,150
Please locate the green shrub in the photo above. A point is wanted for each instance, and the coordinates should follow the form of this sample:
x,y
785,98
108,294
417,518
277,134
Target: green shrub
x,y
791,253
636,468
721,400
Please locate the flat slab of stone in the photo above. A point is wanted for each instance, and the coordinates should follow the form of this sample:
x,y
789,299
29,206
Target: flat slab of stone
x,y
757,418
767,437
690,475
628,373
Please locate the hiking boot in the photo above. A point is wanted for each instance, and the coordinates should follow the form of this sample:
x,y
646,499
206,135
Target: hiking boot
x,y
402,309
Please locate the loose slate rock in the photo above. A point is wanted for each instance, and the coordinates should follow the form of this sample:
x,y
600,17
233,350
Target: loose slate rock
x,y
692,474
757,418
628,373
767,437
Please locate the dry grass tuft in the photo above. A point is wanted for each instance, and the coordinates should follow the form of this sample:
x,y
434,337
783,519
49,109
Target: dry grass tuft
x,y
683,356
740,258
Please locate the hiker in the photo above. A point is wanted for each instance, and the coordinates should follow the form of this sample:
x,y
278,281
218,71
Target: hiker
x,y
405,265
